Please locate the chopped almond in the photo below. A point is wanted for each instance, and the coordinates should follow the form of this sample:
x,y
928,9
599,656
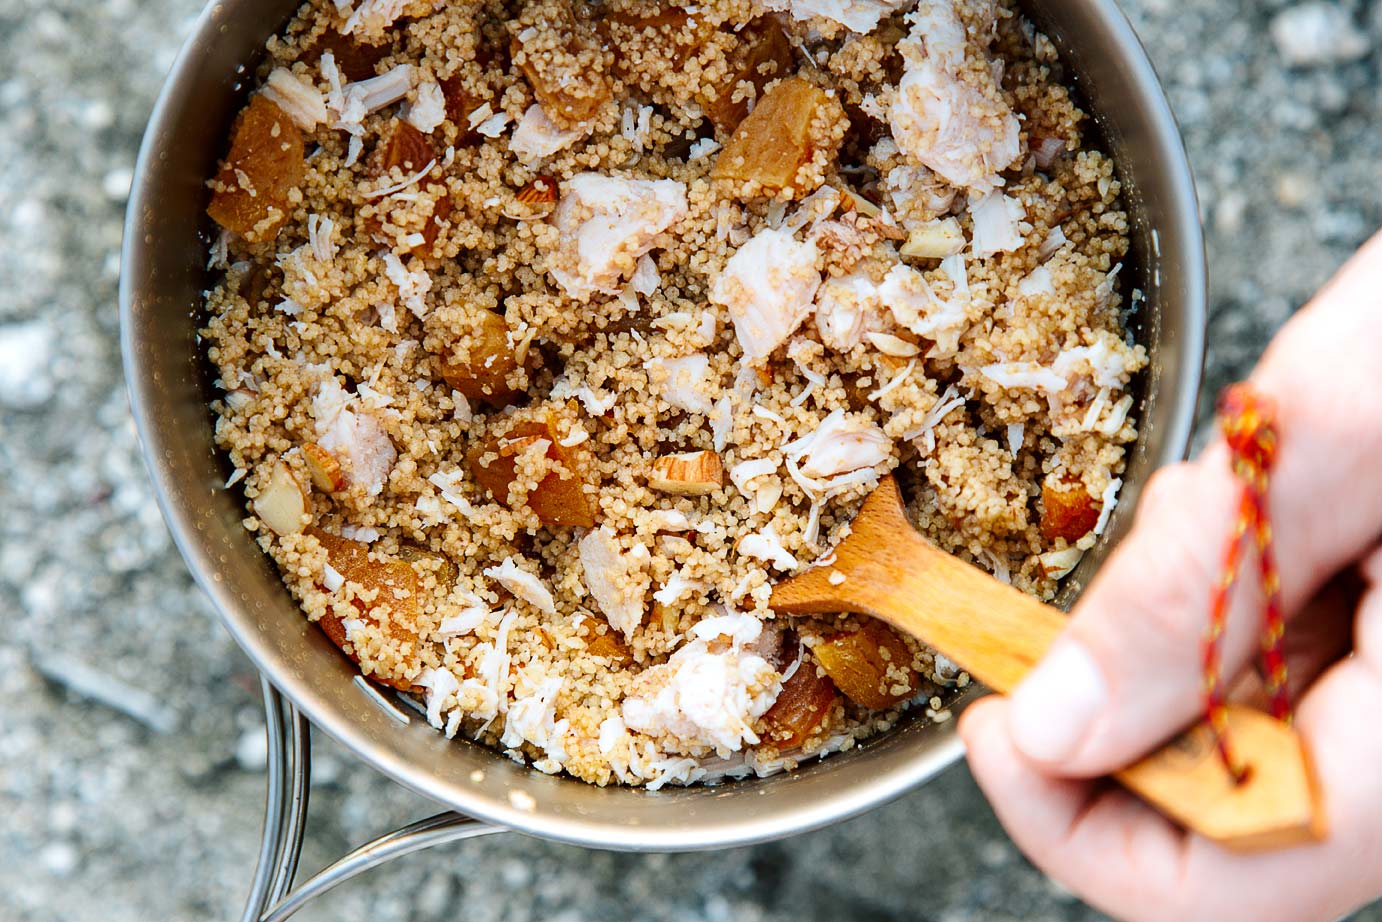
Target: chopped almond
x,y
265,163
282,505
694,473
934,240
873,665
542,190
323,467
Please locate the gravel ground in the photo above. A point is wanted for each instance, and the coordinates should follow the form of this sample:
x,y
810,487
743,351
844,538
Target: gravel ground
x,y
150,809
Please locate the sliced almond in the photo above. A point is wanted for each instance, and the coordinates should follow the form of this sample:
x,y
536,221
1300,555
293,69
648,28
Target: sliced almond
x,y
282,505
1056,564
542,190
694,473
888,344
324,469
934,240
857,202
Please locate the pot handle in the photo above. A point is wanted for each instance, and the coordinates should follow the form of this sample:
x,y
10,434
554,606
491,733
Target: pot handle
x,y
272,897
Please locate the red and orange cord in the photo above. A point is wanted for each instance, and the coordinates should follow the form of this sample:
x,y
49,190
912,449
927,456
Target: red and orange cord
x,y
1248,422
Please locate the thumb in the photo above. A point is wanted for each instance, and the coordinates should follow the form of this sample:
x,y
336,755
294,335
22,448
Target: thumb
x,y
1126,674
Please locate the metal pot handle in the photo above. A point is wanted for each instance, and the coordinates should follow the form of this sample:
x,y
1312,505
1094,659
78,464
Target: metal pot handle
x,y
271,897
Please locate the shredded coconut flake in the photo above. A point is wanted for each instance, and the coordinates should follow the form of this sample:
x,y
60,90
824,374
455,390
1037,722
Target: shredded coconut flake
x,y
524,585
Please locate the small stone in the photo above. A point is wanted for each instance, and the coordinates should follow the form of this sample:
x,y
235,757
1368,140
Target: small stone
x,y
1293,190
1229,213
26,352
252,750
116,183
59,858
1317,33
515,875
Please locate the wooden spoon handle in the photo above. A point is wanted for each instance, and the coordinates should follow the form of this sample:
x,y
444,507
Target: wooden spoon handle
x,y
997,634
1007,632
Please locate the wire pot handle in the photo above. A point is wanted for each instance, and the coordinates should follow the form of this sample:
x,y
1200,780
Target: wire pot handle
x,y
272,897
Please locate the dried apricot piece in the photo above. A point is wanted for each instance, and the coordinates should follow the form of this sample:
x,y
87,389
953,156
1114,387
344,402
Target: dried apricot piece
x,y
355,60
761,53
556,500
395,583
1067,510
801,708
431,561
609,644
485,377
265,163
652,33
402,147
872,666
568,79
778,138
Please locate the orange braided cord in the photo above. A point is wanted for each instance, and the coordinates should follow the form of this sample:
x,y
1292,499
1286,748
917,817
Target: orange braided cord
x,y
1248,422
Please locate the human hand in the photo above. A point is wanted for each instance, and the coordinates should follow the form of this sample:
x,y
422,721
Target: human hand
x,y
1125,676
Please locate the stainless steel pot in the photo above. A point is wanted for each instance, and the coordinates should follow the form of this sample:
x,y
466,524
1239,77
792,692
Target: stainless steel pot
x,y
165,247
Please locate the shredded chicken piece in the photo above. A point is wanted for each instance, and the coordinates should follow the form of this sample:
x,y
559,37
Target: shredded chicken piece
x,y
949,113
843,442
606,223
855,15
617,579
686,383
706,697
767,286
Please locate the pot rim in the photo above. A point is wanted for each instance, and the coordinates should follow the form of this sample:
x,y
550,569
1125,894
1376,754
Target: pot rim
x,y
842,803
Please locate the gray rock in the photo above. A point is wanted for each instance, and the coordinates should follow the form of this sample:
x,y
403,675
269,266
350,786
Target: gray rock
x,y
1318,33
26,354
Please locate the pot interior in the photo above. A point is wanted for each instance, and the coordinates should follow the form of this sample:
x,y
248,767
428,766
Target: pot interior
x,y
165,252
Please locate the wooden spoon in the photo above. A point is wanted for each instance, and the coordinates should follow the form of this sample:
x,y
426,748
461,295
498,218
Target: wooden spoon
x,y
997,634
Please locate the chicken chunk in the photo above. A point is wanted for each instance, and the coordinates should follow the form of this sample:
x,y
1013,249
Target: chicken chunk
x,y
605,223
949,113
618,580
768,286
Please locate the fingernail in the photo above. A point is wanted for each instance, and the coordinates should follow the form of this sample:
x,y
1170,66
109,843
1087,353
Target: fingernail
x,y
1055,706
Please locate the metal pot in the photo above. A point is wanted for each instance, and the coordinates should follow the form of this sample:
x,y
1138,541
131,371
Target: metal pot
x,y
165,247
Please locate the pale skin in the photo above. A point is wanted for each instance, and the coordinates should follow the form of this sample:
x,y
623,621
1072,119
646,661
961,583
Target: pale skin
x,y
1126,673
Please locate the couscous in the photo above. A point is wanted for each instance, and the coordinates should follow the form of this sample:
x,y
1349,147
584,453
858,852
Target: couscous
x,y
552,334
